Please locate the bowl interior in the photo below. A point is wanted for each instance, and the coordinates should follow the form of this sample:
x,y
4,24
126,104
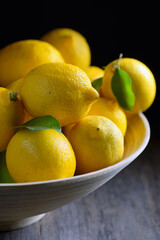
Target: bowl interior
x,y
137,135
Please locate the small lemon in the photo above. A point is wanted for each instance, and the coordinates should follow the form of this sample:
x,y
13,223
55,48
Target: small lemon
x,y
110,109
18,58
97,143
143,82
58,89
71,44
15,87
11,115
94,72
40,155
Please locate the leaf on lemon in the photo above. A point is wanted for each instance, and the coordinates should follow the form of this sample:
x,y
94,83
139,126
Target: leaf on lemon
x,y
42,123
97,83
122,88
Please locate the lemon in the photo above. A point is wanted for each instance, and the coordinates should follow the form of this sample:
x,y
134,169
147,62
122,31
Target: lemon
x,y
143,82
97,143
18,58
107,108
11,115
40,155
67,128
110,109
72,45
94,72
27,116
16,86
58,89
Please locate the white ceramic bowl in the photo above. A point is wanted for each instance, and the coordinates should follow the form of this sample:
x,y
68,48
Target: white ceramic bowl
x,y
22,204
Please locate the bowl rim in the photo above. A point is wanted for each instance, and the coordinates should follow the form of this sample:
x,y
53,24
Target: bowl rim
x,y
85,176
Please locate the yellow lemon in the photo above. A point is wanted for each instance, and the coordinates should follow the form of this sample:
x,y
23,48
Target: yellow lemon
x,y
18,58
40,155
97,143
94,72
27,116
11,115
110,109
143,82
58,89
67,128
71,44
16,86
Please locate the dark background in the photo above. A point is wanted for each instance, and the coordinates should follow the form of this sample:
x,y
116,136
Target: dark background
x,y
127,207
108,30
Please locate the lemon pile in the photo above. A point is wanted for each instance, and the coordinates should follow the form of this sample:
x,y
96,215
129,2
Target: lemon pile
x,y
52,81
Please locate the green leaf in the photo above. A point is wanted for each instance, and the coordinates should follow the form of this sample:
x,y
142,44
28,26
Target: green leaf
x,y
42,123
122,88
97,84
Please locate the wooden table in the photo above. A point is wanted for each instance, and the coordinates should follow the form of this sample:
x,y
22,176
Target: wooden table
x,y
125,208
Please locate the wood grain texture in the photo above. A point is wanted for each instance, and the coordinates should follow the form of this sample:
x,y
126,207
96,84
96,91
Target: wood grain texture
x,y
125,208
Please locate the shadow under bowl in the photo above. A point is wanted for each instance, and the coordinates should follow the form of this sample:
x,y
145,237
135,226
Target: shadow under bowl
x,y
22,204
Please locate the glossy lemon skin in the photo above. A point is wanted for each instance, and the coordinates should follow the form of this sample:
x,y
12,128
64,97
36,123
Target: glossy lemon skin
x,y
97,143
16,87
143,82
40,155
18,58
94,72
72,45
58,89
110,109
11,115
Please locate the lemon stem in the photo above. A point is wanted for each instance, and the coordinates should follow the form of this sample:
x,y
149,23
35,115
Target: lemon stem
x,y
13,96
120,57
